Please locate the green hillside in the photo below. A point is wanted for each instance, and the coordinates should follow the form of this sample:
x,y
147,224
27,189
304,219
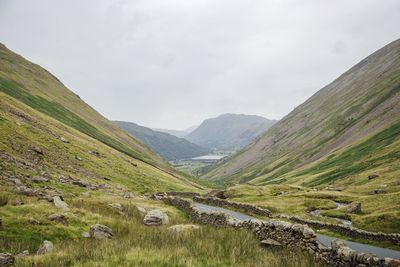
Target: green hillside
x,y
339,132
37,88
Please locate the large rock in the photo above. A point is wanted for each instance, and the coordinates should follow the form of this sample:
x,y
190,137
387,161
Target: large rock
x,y
45,247
59,203
156,217
6,259
183,227
115,206
100,231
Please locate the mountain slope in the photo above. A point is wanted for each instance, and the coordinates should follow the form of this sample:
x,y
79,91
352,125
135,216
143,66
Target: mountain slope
x,y
167,145
229,131
177,133
37,88
339,132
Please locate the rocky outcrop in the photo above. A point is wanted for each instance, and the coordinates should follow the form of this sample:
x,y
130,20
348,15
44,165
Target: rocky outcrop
x,y
6,259
45,247
354,208
99,231
155,218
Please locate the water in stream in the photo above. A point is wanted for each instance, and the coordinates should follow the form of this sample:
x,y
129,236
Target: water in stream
x,y
317,213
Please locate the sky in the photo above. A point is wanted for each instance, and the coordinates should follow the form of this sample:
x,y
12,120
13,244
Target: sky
x,y
173,63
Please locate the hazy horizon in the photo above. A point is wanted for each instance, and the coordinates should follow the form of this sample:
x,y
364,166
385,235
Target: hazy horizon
x,y
171,64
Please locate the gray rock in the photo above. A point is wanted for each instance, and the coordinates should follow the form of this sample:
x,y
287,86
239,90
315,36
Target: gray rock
x,y
141,209
62,139
100,231
78,158
58,218
86,234
6,259
23,254
39,179
155,218
38,150
270,243
337,243
80,183
59,203
45,247
34,221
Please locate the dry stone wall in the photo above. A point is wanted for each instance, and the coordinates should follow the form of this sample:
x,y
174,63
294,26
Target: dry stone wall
x,y
288,234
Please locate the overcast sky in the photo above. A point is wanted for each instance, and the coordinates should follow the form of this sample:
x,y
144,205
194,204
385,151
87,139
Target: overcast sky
x,y
171,63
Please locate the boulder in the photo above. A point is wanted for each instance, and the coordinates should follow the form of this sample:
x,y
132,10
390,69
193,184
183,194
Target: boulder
x,y
270,243
45,247
100,231
59,203
58,218
183,227
156,217
354,208
6,259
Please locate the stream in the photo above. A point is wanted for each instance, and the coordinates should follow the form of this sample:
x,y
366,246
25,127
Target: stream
x,y
323,239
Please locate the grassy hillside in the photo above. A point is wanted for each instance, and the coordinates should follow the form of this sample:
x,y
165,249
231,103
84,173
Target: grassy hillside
x,y
37,88
168,146
337,133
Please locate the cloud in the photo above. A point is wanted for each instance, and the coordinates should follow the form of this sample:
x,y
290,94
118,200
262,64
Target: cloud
x,y
170,63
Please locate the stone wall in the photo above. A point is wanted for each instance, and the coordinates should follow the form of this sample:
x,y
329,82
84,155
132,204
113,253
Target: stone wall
x,y
347,230
236,205
286,234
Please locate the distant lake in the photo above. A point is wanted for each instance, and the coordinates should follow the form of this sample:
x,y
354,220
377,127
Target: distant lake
x,y
209,157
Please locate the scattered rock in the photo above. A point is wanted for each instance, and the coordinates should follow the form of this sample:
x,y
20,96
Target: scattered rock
x,y
6,259
156,217
128,195
45,247
39,179
33,221
17,202
86,234
38,150
58,218
59,203
23,254
116,206
270,243
78,158
80,183
95,153
62,139
183,227
100,231
25,190
354,208
373,176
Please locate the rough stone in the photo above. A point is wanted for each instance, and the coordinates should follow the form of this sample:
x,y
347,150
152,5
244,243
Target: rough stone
x,y
78,158
100,231
373,176
58,218
86,234
23,254
38,150
156,217
6,259
33,221
45,247
62,139
59,203
39,179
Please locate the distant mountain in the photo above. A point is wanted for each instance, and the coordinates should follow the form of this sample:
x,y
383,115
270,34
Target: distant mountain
x,y
344,132
229,131
168,146
177,133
